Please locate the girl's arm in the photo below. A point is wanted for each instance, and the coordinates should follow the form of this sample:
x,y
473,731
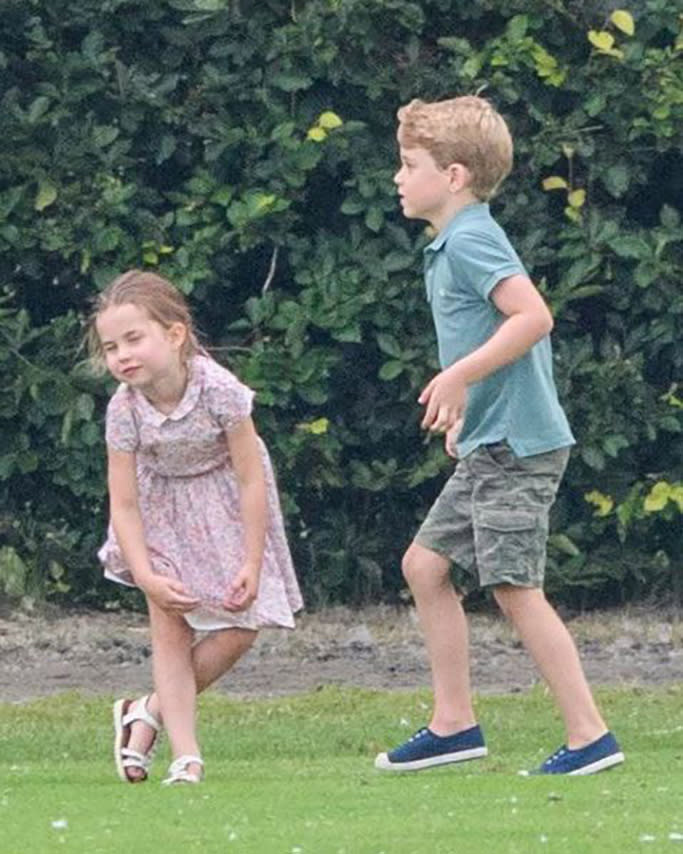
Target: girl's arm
x,y
247,461
527,320
130,535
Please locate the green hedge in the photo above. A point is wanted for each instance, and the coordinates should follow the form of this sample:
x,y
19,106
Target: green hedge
x,y
246,150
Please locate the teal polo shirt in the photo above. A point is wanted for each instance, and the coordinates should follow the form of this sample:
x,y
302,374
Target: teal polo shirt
x,y
517,403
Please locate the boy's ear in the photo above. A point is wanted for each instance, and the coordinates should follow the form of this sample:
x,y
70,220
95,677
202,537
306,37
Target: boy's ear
x,y
459,176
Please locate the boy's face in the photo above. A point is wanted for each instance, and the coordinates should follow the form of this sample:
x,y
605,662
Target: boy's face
x,y
425,190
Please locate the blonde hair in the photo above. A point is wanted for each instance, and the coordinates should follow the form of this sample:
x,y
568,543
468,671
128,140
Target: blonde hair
x,y
150,292
465,130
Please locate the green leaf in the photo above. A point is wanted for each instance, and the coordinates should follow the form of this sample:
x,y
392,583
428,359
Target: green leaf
x,y
47,194
631,246
564,544
166,148
389,345
646,273
374,218
290,81
669,217
617,179
38,109
104,135
390,370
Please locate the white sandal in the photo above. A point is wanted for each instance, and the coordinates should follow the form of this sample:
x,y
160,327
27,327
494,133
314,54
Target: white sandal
x,y
178,773
126,712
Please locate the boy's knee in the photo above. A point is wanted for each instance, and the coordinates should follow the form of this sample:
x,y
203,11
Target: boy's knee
x,y
513,600
423,568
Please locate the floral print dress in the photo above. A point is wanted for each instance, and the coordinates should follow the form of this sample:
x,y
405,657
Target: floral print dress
x,y
189,499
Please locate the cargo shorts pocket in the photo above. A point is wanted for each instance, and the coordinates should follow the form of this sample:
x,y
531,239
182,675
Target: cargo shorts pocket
x,y
510,546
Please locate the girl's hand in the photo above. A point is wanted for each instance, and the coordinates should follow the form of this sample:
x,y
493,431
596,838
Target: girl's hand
x,y
243,589
171,596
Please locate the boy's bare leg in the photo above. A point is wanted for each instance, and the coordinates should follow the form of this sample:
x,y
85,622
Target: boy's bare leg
x,y
211,658
553,650
444,625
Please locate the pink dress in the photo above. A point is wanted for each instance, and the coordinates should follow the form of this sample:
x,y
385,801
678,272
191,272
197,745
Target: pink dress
x,y
189,499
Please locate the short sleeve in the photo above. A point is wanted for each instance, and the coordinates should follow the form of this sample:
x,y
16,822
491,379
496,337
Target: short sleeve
x,y
121,428
229,401
482,259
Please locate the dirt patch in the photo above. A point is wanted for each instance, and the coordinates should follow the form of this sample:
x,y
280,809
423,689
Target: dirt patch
x,y
109,653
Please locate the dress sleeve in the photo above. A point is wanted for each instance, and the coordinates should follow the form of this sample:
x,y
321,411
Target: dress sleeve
x,y
229,401
121,428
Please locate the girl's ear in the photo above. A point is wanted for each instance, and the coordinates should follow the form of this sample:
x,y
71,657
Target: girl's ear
x,y
177,334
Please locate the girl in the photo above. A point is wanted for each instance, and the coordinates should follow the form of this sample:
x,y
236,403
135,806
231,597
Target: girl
x,y
195,516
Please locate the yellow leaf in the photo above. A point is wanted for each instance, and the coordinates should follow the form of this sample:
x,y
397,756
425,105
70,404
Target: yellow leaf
x,y
329,120
554,182
603,503
677,496
623,21
658,497
317,134
47,193
574,214
601,39
317,427
577,198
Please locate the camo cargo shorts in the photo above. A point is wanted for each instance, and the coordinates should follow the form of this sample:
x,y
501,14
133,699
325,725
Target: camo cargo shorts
x,y
491,518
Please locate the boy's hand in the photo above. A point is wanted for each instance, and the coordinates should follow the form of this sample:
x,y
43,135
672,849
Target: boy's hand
x,y
243,589
445,398
452,438
169,595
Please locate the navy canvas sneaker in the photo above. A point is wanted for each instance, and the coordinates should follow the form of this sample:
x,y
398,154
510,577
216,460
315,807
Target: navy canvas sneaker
x,y
426,749
599,755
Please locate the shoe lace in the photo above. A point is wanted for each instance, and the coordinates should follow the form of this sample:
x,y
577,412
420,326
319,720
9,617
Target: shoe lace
x,y
421,733
556,756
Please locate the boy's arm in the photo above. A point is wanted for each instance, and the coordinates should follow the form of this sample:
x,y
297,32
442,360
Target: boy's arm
x,y
527,320
245,454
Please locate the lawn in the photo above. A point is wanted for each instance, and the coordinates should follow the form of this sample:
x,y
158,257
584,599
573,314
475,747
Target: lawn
x,y
295,776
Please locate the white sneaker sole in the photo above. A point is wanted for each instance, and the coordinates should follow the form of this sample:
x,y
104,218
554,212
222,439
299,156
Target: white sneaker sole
x,y
600,765
383,763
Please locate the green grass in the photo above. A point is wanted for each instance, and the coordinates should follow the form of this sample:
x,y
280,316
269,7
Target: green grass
x,y
295,776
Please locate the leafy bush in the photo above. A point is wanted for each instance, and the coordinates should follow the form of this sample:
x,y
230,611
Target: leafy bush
x,y
246,151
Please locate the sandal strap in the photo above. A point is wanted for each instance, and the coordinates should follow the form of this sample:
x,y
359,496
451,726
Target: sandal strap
x,y
137,711
134,759
178,773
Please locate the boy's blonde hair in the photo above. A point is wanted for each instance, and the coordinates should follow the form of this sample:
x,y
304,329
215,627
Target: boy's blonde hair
x,y
465,130
150,292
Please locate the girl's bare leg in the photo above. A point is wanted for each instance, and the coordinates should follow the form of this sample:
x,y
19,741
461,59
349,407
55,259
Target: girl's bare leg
x,y
210,659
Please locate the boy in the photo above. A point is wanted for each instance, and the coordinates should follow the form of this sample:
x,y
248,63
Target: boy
x,y
496,401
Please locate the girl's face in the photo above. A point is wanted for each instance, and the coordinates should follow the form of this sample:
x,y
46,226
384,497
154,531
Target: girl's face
x,y
138,350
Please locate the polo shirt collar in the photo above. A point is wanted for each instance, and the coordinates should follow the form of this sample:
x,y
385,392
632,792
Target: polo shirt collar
x,y
442,237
